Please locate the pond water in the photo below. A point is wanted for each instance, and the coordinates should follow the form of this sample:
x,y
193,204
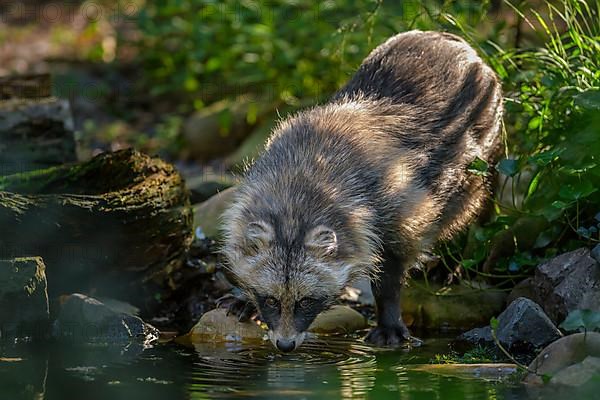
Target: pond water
x,y
322,369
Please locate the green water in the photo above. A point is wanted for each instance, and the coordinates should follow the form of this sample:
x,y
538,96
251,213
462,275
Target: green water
x,y
323,369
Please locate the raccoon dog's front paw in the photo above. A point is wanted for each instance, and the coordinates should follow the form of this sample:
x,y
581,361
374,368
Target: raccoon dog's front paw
x,y
392,336
241,307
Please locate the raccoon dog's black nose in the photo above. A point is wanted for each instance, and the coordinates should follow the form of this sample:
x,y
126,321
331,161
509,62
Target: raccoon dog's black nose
x,y
286,345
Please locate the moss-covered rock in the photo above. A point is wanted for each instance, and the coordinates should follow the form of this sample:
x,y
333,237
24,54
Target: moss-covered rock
x,y
23,297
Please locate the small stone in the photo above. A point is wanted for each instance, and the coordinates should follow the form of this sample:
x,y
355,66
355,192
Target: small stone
x,y
522,328
83,319
216,325
563,353
480,336
338,319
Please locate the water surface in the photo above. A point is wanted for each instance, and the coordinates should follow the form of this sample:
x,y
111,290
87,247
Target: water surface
x,y
324,369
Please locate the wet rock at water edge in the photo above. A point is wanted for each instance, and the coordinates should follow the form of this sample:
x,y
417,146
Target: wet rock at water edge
x,y
522,328
216,325
572,360
23,298
339,319
83,319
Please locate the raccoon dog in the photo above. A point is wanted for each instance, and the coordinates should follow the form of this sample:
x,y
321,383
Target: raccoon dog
x,y
361,185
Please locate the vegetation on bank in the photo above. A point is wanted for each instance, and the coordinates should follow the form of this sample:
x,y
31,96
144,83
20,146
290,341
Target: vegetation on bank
x,y
187,56
547,55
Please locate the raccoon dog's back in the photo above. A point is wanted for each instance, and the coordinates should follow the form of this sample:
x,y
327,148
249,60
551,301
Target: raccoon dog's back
x,y
385,162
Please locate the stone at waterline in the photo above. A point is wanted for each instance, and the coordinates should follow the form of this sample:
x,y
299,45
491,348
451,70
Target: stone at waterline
x,y
23,297
339,319
563,353
522,328
216,325
207,215
83,319
578,374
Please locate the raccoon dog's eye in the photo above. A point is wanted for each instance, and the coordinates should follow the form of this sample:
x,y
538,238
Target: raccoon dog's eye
x,y
305,302
271,301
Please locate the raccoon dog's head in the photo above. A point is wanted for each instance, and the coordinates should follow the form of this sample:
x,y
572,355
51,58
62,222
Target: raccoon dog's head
x,y
289,271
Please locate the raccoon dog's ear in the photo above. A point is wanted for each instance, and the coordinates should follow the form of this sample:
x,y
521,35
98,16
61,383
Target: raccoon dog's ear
x,y
259,235
322,241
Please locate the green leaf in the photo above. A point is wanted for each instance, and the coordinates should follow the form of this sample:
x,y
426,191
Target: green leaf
x,y
479,167
578,319
508,167
494,323
534,123
577,191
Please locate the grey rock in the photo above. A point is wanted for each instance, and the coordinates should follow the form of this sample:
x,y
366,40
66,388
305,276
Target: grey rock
x,y
481,336
578,374
566,283
563,353
23,298
595,253
522,327
83,319
525,323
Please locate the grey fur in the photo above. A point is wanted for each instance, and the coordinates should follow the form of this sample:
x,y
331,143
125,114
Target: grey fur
x,y
381,169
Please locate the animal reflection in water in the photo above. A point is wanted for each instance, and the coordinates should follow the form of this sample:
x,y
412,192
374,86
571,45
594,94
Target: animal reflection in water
x,y
338,367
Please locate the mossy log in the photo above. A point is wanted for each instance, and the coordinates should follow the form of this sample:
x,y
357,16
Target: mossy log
x,y
113,225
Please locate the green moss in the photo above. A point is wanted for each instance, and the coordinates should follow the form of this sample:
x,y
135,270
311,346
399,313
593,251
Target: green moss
x,y
477,355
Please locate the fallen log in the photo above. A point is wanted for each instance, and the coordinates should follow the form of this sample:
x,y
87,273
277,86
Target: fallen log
x,y
118,225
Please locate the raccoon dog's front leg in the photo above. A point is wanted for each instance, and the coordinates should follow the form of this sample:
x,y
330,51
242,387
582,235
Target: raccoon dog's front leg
x,y
390,330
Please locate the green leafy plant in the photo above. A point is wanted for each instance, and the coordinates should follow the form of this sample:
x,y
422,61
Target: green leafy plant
x,y
581,320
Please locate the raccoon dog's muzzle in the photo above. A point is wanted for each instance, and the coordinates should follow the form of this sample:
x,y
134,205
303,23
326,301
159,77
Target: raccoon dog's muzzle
x,y
286,342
